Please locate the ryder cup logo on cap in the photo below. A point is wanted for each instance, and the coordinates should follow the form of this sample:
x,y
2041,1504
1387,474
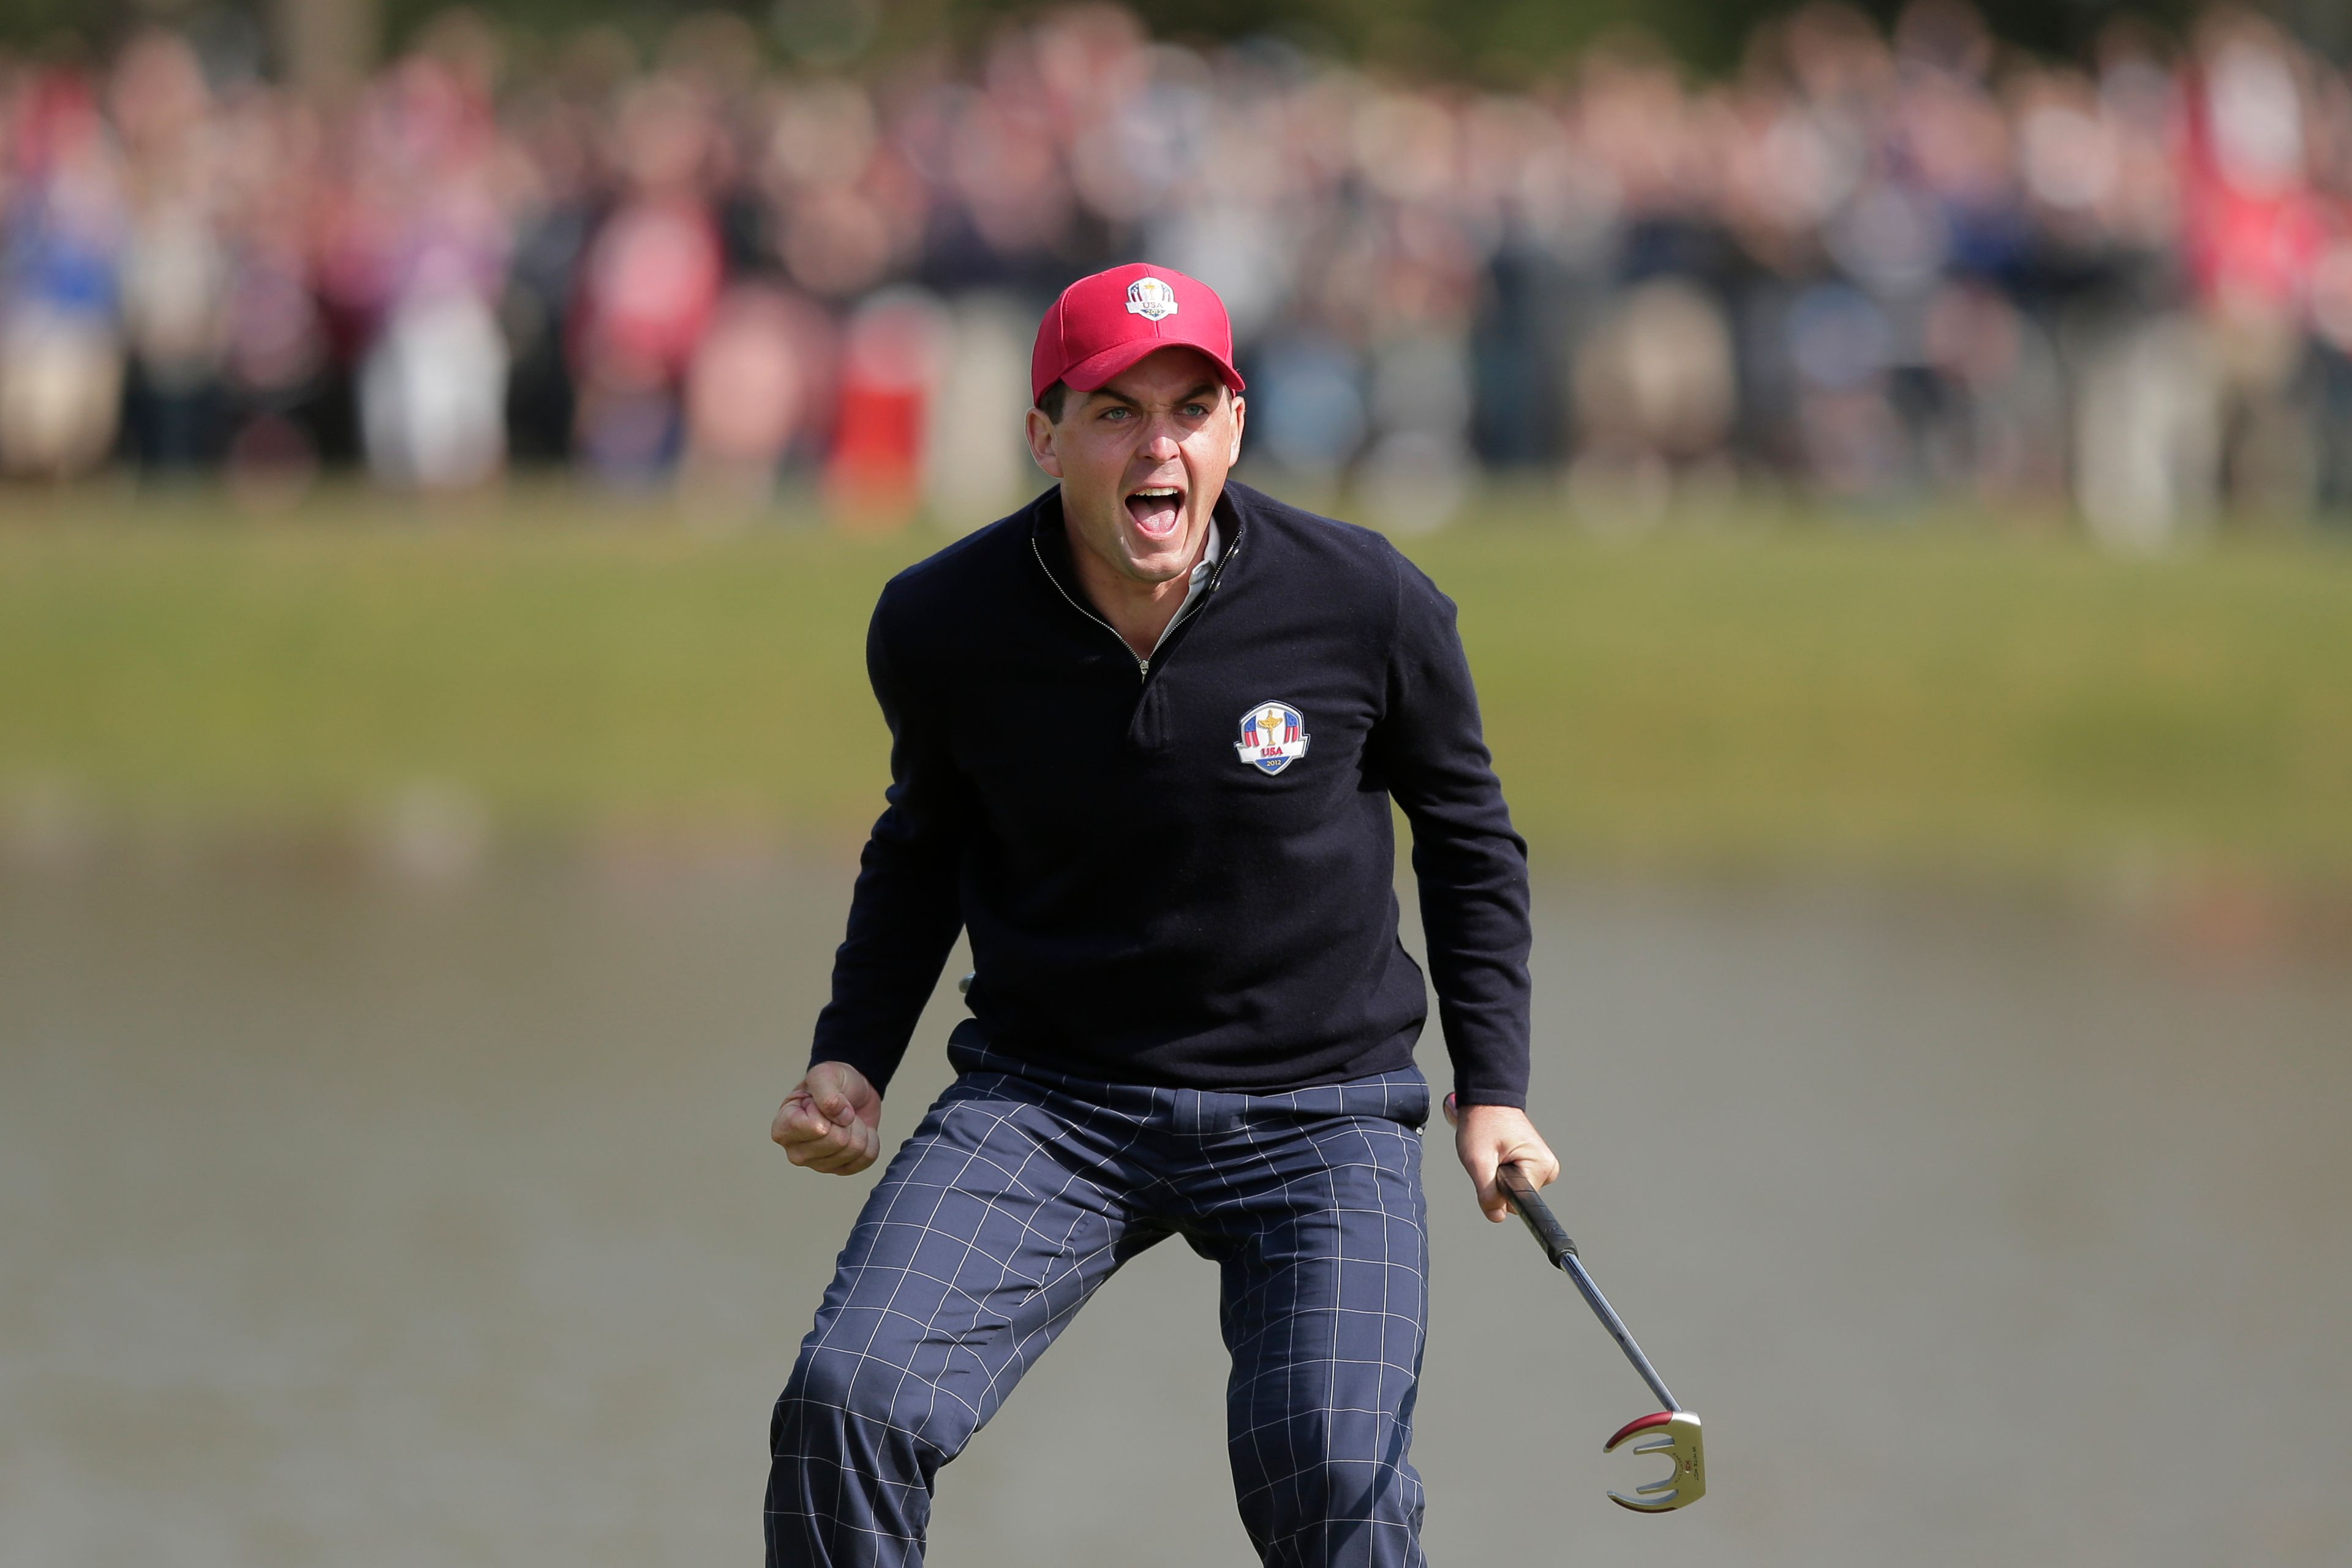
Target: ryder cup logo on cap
x,y
1151,299
1106,321
1273,736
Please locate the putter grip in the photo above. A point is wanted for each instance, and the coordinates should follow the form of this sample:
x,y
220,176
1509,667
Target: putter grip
x,y
1546,1229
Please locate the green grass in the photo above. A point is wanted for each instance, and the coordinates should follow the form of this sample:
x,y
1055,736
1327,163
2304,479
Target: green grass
x,y
1917,696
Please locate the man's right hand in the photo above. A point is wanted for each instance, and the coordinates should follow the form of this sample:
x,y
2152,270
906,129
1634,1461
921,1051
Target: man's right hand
x,y
831,1121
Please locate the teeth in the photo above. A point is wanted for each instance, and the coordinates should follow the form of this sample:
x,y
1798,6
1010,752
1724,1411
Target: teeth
x,y
1156,494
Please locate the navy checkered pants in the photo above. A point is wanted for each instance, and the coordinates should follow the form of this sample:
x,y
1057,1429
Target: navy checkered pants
x,y
1021,1192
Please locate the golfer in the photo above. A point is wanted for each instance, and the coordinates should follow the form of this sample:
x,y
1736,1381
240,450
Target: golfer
x,y
1145,733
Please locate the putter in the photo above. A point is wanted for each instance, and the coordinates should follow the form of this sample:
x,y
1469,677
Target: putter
x,y
1672,1430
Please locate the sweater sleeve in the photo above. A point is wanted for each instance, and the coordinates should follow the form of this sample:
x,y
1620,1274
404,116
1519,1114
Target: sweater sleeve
x,y
905,911
1471,864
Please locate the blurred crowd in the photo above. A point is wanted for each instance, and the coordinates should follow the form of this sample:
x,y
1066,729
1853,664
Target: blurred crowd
x,y
1866,266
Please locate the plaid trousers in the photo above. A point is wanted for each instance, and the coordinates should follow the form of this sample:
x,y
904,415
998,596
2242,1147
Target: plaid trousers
x,y
1023,1190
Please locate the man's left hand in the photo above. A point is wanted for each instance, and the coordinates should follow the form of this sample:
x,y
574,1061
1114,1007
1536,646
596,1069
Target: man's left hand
x,y
1487,1135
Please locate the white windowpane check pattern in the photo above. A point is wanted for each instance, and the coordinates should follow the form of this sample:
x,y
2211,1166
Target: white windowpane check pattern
x,y
1022,1191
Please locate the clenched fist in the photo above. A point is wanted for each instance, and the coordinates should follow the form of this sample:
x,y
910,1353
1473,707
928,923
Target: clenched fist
x,y
831,1121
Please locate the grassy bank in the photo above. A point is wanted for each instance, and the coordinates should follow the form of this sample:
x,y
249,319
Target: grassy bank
x,y
1875,698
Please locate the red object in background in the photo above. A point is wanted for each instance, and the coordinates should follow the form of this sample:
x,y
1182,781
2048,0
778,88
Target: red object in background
x,y
881,426
758,379
55,118
877,453
2261,247
2252,228
651,284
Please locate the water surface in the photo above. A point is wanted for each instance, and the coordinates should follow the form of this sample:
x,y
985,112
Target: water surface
x,y
354,1222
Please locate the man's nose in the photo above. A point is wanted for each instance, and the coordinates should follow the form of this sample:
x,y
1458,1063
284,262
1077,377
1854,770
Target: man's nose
x,y
1159,442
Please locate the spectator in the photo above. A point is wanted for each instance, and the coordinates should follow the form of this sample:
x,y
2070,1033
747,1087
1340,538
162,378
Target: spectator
x,y
62,357
1870,265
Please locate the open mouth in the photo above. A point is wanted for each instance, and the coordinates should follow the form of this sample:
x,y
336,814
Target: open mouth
x,y
1157,510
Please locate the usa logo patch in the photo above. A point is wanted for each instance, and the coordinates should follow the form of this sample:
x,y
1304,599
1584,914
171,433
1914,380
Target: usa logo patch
x,y
1273,736
1151,299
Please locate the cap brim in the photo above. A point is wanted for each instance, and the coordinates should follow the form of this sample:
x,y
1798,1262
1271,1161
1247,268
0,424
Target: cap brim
x,y
1096,369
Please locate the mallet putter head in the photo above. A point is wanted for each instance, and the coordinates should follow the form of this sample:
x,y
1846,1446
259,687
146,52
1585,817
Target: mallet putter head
x,y
1674,1432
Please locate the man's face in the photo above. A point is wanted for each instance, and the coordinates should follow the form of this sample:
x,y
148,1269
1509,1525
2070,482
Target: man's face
x,y
1142,459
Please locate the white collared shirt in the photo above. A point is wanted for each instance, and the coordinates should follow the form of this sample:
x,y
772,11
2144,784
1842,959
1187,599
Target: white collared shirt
x,y
1198,586
1207,564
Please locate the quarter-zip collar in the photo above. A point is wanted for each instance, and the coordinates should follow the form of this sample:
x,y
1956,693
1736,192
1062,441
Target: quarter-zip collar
x,y
1049,544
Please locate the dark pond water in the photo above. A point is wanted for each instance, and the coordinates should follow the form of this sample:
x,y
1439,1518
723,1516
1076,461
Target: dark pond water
x,y
347,1221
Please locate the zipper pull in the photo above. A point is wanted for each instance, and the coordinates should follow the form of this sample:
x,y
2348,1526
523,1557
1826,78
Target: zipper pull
x,y
1142,669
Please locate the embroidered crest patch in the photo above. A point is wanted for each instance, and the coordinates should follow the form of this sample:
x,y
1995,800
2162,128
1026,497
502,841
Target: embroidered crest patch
x,y
1273,736
1151,299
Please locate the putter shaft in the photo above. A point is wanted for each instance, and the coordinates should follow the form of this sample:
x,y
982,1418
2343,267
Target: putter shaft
x,y
1554,1239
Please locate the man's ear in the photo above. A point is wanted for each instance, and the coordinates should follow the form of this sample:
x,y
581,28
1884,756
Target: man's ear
x,y
1040,431
1241,412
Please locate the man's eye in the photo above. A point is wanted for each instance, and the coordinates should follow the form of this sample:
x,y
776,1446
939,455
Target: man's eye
x,y
1197,410
1114,413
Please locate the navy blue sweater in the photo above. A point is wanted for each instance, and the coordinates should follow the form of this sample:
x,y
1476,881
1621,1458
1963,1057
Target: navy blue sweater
x,y
1181,871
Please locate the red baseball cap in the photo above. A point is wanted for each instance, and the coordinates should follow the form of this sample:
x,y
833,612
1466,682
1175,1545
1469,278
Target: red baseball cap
x,y
1104,323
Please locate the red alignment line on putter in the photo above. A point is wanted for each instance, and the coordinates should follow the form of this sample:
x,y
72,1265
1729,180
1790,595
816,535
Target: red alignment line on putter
x,y
1639,1424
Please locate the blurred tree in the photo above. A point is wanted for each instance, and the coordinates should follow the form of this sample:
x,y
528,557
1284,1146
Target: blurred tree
x,y
325,46
1510,39
1503,39
65,29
